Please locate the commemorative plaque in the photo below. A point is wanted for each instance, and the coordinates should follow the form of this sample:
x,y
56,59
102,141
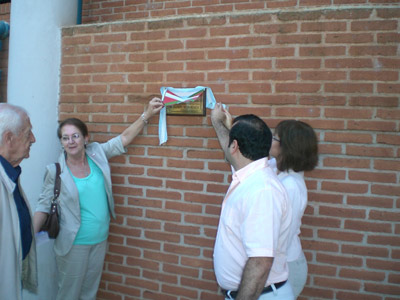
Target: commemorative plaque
x,y
183,104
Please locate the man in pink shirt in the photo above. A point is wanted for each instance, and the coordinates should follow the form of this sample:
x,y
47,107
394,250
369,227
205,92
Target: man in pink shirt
x,y
252,239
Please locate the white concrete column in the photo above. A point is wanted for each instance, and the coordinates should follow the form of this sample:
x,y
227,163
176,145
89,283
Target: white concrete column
x,y
34,83
34,77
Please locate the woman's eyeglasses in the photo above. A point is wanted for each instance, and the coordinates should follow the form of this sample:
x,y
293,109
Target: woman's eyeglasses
x,y
74,137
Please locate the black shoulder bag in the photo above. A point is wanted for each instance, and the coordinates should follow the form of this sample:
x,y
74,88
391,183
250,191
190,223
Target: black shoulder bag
x,y
52,224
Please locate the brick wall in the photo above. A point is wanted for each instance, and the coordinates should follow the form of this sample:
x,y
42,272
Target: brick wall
x,y
335,68
4,16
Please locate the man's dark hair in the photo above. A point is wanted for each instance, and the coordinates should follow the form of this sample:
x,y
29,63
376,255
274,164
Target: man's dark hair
x,y
75,122
299,146
252,135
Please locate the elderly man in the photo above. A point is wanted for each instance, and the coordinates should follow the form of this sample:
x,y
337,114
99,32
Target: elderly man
x,y
17,244
253,231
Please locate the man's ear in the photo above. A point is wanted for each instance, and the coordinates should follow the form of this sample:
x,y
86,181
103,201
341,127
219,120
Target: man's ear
x,y
7,137
234,146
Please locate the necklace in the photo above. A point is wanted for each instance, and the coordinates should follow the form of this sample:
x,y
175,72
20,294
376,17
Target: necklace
x,y
77,170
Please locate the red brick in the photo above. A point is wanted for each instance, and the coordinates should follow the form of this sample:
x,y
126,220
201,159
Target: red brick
x,y
299,39
320,246
390,190
346,162
342,212
348,88
389,240
344,187
349,38
177,228
389,63
382,288
372,50
321,221
327,174
365,251
348,63
191,272
348,113
386,164
323,26
393,266
348,137
368,226
323,75
323,293
163,215
340,235
374,76
251,18
333,283
298,88
180,291
370,201
324,270
373,25
322,51
389,115
356,296
110,38
325,197
369,151
339,260
250,64
298,64
373,176
274,52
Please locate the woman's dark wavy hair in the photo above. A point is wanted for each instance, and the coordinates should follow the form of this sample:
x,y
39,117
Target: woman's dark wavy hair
x,y
75,122
252,135
299,146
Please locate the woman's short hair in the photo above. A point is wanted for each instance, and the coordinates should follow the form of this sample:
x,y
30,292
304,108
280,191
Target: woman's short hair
x,y
252,135
75,122
299,146
11,119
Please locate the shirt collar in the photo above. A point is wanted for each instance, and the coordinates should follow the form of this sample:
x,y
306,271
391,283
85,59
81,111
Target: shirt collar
x,y
246,171
13,173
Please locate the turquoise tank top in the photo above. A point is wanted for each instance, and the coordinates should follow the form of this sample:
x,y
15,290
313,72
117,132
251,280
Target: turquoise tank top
x,y
95,215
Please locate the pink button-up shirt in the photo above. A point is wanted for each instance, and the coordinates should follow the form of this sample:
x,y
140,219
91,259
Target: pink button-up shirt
x,y
255,220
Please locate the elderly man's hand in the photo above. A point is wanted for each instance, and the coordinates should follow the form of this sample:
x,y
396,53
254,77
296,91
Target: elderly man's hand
x,y
220,115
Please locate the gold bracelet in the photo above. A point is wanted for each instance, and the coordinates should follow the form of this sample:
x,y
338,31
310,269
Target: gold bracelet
x,y
143,117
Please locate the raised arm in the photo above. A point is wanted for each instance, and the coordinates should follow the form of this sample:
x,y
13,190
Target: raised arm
x,y
127,136
222,123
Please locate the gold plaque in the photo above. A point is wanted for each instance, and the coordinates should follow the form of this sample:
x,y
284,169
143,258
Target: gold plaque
x,y
194,107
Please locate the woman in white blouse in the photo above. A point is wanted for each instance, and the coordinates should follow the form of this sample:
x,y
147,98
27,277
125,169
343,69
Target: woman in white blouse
x,y
294,150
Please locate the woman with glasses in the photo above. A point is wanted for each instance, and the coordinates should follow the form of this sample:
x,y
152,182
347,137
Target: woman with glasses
x,y
85,203
294,150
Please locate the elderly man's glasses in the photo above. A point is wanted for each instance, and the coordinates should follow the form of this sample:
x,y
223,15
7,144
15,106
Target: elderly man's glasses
x,y
74,137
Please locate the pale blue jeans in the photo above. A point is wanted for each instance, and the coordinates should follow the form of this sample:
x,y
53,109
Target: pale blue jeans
x,y
298,274
283,293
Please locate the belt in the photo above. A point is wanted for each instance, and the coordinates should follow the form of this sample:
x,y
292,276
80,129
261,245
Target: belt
x,y
265,290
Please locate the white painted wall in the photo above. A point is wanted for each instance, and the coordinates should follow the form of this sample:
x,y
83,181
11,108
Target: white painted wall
x,y
33,83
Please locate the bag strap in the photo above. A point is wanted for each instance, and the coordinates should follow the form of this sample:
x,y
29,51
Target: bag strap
x,y
57,185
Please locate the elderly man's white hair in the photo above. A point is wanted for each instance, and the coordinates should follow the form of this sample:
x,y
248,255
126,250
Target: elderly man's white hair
x,y
11,119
